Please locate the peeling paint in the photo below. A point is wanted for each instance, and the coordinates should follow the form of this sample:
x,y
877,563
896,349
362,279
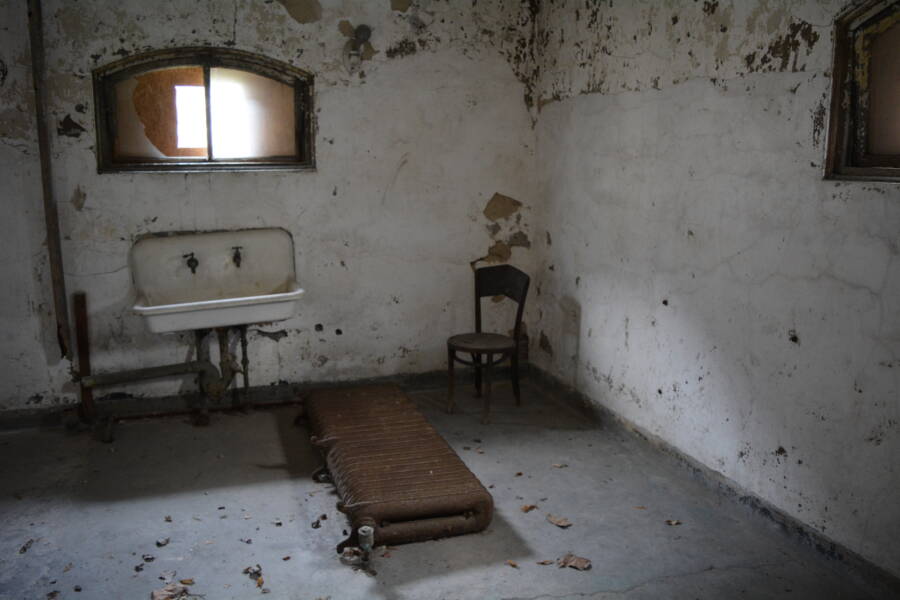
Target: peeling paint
x,y
400,5
499,252
520,239
501,207
303,11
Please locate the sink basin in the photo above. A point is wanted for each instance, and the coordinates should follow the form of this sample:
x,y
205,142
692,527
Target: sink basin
x,y
240,277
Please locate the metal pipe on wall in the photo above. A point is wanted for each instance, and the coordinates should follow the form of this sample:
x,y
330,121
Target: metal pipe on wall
x,y
51,215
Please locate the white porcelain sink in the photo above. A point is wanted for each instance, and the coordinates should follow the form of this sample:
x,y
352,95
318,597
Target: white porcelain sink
x,y
218,293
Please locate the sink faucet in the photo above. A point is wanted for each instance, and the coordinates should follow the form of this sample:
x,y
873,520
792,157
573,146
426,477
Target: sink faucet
x,y
192,262
236,257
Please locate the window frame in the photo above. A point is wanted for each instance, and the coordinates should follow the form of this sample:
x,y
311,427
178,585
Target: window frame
x,y
847,154
106,77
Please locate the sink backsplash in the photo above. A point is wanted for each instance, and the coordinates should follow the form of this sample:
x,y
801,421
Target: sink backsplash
x,y
162,273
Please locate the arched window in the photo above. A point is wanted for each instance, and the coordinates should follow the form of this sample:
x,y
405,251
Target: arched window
x,y
202,109
864,132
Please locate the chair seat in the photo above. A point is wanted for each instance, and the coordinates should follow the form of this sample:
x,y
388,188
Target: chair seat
x,y
481,342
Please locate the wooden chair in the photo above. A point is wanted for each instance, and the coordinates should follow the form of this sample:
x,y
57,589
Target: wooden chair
x,y
503,280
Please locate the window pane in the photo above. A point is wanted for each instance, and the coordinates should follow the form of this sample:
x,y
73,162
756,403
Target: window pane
x,y
252,116
884,93
161,114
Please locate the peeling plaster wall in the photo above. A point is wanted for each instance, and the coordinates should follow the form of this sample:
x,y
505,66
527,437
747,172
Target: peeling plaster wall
x,y
409,151
699,276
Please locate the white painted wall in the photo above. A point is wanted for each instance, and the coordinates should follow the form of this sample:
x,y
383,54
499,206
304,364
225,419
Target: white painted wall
x,y
679,159
693,236
408,152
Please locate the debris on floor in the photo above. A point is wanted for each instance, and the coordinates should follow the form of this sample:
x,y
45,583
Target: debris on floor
x,y
26,546
188,581
545,562
560,465
560,522
512,564
575,562
673,522
53,594
148,558
167,518
162,542
171,591
316,524
527,507
247,541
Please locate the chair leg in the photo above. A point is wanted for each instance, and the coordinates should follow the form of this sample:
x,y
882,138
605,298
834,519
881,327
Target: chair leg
x,y
451,358
514,367
476,361
486,417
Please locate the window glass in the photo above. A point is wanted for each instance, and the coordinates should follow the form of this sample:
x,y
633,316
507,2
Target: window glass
x,y
884,93
154,112
252,115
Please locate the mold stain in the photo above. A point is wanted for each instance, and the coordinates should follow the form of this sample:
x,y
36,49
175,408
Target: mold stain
x,y
404,47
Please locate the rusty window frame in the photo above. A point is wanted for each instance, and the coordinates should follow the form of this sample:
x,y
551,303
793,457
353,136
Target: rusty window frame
x,y
106,77
847,154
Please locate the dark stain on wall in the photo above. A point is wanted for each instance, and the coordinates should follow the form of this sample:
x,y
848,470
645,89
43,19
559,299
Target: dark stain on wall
x,y
4,71
544,344
69,127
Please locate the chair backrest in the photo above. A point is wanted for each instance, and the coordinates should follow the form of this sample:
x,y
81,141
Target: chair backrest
x,y
502,280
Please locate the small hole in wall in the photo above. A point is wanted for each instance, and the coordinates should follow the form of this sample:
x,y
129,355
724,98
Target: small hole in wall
x,y
338,332
319,327
665,302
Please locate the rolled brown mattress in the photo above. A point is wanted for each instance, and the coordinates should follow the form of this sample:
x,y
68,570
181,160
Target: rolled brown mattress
x,y
392,469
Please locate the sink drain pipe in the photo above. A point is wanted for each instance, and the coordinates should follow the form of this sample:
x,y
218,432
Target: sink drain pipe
x,y
213,382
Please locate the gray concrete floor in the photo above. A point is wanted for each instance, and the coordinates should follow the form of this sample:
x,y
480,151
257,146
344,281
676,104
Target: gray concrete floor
x,y
93,510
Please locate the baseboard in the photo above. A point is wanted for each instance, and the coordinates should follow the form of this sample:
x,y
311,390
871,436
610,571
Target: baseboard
x,y
119,405
882,579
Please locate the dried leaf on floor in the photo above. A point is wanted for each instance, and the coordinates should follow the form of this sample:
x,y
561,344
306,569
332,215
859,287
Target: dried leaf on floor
x,y
162,542
575,562
545,562
188,581
673,522
560,465
260,581
560,522
512,564
26,546
171,591
527,507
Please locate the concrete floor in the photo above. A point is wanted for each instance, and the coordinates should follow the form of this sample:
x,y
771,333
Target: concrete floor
x,y
239,494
